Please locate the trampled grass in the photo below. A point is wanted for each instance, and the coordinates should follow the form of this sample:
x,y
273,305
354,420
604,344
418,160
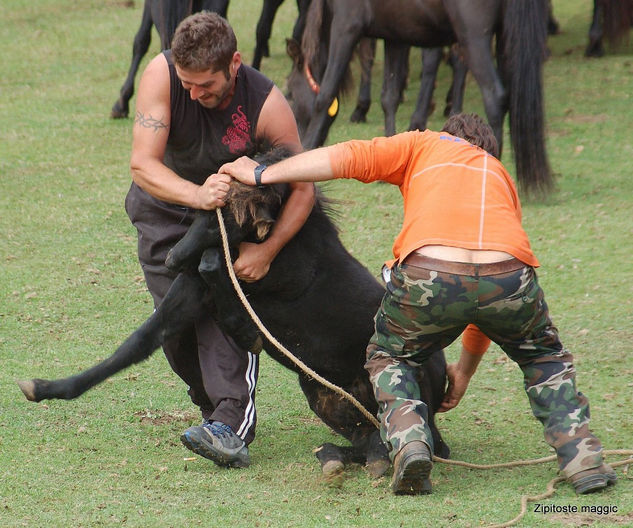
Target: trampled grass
x,y
72,290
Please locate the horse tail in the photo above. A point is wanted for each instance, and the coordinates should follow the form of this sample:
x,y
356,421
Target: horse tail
x,y
524,36
618,18
313,32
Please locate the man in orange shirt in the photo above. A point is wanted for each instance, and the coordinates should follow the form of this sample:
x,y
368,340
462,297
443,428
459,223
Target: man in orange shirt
x,y
461,259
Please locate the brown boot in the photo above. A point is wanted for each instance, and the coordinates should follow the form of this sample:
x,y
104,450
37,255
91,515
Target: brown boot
x,y
411,470
593,479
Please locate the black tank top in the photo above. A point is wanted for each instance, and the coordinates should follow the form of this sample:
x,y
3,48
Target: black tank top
x,y
201,139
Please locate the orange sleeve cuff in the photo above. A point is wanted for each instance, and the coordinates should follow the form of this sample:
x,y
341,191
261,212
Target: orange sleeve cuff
x,y
475,341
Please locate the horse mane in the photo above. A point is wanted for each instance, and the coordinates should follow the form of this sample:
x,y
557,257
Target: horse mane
x,y
314,44
249,204
259,206
311,40
618,19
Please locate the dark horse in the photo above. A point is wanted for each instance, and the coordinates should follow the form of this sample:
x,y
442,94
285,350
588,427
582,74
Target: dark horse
x,y
612,19
366,50
514,86
316,299
165,15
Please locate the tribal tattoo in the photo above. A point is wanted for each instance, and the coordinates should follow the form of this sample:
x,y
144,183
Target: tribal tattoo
x,y
149,122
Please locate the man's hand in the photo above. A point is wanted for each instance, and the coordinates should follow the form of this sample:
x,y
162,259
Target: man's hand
x,y
242,169
457,384
212,193
253,263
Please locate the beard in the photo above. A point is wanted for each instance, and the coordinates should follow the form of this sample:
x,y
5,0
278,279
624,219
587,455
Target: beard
x,y
220,99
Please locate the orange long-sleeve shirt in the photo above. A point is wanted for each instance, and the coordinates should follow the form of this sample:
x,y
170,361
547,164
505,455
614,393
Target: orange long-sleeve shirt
x,y
455,194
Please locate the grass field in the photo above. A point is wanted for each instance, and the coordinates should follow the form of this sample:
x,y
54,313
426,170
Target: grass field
x,y
71,290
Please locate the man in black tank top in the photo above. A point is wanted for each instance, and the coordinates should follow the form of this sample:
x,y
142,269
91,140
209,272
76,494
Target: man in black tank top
x,y
199,107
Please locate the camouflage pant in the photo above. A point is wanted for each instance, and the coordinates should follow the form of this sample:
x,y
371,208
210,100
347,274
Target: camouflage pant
x,y
425,310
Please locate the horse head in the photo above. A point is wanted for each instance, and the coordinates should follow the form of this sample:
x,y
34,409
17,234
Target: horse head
x,y
249,214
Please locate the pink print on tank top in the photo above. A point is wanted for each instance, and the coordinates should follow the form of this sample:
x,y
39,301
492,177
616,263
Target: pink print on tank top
x,y
238,136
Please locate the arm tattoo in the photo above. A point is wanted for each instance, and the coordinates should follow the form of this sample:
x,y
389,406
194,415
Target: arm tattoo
x,y
149,122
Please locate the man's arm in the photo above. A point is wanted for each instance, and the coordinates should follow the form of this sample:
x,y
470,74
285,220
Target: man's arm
x,y
149,140
311,166
474,346
382,158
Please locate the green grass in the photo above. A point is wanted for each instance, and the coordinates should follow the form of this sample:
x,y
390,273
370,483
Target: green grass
x,y
71,290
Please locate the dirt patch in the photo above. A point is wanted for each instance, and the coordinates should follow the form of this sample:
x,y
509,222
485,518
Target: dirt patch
x,y
158,417
585,118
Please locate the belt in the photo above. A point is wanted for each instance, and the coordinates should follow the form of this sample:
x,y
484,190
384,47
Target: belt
x,y
463,268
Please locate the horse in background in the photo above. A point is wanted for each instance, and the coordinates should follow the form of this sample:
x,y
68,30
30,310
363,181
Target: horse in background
x,y
301,92
514,85
265,24
612,19
165,15
366,50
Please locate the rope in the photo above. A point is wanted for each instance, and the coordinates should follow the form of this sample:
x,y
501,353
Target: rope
x,y
525,499
551,487
273,340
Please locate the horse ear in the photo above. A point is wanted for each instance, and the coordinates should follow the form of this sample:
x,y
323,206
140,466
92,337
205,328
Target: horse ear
x,y
293,49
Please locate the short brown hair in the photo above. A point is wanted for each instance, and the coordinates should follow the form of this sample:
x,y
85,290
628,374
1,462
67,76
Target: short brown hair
x,y
204,41
473,129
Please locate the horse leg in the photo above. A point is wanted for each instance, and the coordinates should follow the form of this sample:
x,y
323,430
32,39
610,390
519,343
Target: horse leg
x,y
300,23
203,233
220,7
431,58
366,54
343,418
183,304
553,27
142,40
344,37
455,95
334,458
231,315
187,252
480,62
394,80
596,31
263,30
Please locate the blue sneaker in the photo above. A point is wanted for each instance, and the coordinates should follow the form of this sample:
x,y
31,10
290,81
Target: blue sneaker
x,y
217,442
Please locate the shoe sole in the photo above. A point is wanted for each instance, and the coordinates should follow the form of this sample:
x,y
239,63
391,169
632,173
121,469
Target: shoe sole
x,y
413,479
594,483
200,447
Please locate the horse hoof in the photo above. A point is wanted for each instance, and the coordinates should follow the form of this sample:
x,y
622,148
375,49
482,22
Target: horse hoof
x,y
28,388
333,472
358,116
118,112
378,468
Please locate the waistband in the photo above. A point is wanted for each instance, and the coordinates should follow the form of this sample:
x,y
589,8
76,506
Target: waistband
x,y
463,268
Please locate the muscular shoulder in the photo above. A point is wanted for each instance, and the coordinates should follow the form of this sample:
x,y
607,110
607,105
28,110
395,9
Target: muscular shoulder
x,y
154,87
277,125
157,68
